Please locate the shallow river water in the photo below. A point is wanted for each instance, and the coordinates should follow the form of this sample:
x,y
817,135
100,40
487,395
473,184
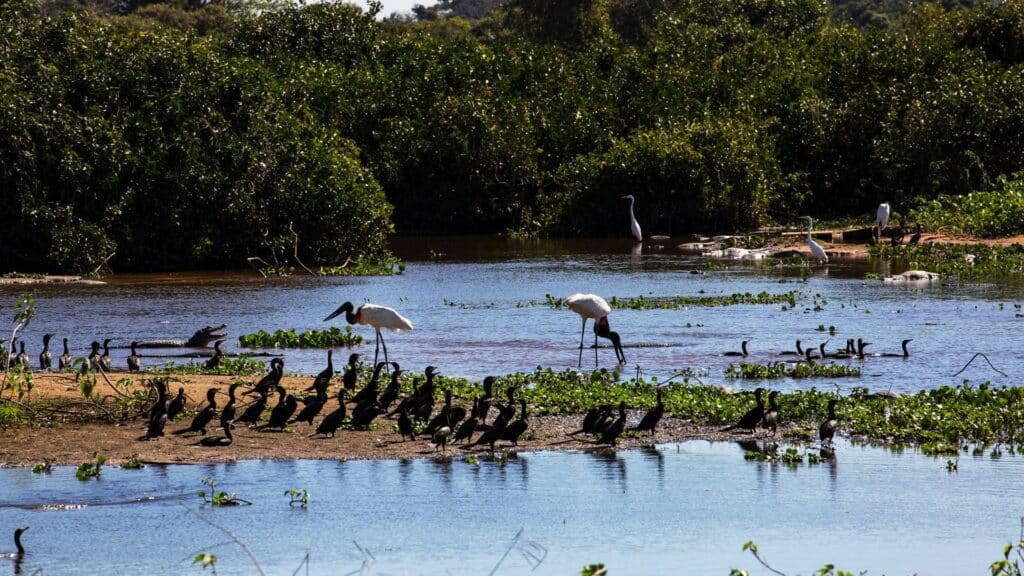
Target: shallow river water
x,y
478,308
673,509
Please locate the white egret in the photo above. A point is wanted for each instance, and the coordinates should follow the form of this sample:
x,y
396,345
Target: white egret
x,y
816,250
376,316
593,306
633,224
882,217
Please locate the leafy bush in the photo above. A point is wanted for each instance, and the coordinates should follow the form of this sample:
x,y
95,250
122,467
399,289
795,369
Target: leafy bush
x,y
989,214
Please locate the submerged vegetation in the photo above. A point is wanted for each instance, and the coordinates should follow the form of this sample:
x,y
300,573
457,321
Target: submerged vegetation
x,y
171,137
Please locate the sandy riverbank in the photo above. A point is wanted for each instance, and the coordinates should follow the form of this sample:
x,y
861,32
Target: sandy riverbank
x,y
71,444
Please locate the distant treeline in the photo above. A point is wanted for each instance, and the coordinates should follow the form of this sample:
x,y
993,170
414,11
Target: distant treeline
x,y
180,136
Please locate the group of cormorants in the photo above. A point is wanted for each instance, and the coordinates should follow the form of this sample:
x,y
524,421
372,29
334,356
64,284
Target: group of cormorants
x,y
96,360
416,414
854,349
768,419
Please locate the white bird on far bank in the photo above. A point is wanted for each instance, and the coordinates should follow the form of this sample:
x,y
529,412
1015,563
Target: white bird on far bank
x,y
816,250
634,226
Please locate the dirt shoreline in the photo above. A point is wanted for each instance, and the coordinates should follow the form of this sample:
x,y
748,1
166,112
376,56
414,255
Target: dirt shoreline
x,y
72,444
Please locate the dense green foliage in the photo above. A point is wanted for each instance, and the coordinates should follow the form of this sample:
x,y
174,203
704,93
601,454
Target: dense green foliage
x,y
998,212
175,138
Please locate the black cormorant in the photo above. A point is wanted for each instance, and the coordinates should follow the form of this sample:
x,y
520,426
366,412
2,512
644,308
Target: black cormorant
x,y
330,424
204,417
753,417
66,360
650,420
133,359
46,357
214,361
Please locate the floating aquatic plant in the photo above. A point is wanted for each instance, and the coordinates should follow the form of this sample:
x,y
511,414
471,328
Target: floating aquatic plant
x,y
87,470
784,370
219,497
331,338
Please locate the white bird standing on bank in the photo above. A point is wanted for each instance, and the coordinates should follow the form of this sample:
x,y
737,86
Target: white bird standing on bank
x,y
633,224
882,216
593,306
815,248
376,316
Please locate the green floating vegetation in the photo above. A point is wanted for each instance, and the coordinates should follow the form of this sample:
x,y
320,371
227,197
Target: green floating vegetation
x,y
218,498
784,370
791,456
964,260
671,302
952,414
87,470
330,338
133,463
244,365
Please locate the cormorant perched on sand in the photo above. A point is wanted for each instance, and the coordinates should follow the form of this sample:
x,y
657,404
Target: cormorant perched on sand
x,y
753,417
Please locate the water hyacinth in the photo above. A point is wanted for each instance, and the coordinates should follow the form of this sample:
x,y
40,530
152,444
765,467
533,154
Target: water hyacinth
x,y
333,337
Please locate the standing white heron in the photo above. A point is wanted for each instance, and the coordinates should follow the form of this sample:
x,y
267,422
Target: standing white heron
x,y
816,250
882,216
376,316
881,220
633,224
593,306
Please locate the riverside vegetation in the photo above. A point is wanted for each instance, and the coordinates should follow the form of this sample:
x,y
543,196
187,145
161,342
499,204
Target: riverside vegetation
x,y
170,136
942,421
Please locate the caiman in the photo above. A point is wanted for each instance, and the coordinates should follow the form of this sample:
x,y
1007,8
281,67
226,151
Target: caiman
x,y
201,339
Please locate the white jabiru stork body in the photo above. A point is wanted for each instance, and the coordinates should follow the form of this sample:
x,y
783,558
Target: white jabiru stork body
x,y
816,250
376,316
592,306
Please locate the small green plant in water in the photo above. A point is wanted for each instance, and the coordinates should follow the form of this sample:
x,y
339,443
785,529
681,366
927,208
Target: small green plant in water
x,y
219,497
594,570
87,470
206,561
297,497
133,463
45,467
